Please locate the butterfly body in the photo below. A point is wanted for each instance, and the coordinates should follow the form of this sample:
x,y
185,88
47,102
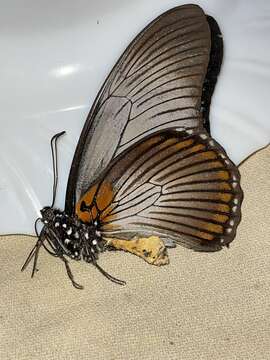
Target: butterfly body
x,y
71,237
65,236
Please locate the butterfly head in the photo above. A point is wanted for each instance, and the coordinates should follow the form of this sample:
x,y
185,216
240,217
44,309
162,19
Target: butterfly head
x,y
47,214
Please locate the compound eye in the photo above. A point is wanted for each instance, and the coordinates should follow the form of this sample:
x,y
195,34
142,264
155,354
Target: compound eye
x,y
47,214
46,208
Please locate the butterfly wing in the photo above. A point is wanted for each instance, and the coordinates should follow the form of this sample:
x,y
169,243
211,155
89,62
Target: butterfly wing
x,y
156,84
177,186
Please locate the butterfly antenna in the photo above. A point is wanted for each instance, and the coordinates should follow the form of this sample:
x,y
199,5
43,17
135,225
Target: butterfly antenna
x,y
55,163
70,275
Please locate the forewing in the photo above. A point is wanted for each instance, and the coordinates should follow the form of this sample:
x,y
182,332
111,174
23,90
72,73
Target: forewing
x,y
155,85
174,185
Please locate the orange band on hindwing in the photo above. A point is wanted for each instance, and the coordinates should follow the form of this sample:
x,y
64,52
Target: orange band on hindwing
x,y
97,199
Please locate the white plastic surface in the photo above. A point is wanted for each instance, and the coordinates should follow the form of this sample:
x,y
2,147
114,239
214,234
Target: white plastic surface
x,y
56,55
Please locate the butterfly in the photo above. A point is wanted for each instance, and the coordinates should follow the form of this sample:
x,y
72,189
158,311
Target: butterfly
x,y
146,174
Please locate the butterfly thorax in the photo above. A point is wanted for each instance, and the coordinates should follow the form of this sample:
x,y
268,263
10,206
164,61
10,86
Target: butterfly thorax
x,y
70,237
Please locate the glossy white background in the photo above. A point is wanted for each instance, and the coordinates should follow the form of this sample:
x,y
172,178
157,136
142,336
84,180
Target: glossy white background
x,y
56,55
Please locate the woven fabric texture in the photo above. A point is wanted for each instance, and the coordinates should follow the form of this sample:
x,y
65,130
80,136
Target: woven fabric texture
x,y
201,306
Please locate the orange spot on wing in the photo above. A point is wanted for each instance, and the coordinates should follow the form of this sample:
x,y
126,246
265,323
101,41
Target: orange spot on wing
x,y
89,196
224,186
223,208
208,155
87,216
107,219
214,164
183,144
205,236
209,226
94,212
104,196
213,228
225,197
220,218
223,175
198,147
151,142
83,215
193,149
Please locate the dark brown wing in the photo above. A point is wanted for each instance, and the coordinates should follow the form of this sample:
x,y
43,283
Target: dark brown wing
x,y
174,185
155,85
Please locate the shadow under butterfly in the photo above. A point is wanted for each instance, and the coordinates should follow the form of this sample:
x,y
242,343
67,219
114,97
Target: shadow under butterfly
x,y
146,174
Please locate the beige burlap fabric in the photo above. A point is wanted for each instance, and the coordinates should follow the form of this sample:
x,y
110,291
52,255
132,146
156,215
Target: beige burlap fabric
x,y
201,306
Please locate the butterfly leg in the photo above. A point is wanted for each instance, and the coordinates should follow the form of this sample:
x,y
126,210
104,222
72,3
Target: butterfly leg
x,y
151,249
69,273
